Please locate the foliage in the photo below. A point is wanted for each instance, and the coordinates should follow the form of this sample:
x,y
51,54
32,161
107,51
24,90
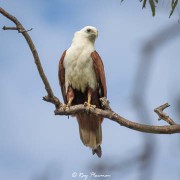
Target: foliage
x,y
153,4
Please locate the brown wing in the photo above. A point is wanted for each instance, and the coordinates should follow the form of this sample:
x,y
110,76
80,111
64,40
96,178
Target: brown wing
x,y
100,75
61,75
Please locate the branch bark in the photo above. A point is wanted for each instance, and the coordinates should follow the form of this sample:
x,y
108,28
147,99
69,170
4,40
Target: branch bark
x,y
106,113
162,115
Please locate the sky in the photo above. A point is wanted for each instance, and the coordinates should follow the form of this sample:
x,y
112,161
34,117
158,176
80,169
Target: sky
x,y
34,142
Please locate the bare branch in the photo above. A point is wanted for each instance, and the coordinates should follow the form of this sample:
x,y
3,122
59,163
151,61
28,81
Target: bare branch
x,y
9,28
24,32
120,120
16,28
105,103
21,31
53,100
162,115
107,113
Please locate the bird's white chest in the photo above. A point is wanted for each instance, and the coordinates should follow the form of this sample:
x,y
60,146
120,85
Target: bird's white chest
x,y
79,71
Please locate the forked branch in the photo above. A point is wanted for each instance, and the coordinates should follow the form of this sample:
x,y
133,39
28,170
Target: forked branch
x,y
109,114
106,112
162,115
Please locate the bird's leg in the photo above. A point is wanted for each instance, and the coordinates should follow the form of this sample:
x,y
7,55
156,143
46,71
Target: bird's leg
x,y
70,97
88,103
70,101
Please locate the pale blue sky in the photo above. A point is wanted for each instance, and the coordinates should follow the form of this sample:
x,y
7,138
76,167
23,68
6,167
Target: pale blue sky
x,y
32,138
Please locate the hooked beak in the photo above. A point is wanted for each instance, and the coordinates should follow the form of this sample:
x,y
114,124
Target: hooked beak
x,y
95,34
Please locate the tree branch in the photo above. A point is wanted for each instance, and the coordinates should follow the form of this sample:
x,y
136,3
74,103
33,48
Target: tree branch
x,y
32,47
162,115
107,113
9,28
16,28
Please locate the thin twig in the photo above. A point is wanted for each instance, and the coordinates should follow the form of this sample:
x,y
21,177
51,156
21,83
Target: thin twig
x,y
162,115
16,28
9,28
21,31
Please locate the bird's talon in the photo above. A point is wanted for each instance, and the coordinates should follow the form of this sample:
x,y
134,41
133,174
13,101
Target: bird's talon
x,y
68,105
88,106
64,107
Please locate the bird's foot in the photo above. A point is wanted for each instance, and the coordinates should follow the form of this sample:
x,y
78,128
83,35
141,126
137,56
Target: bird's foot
x,y
64,106
88,106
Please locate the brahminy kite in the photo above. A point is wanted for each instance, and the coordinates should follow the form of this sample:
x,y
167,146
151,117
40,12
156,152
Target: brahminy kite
x,y
82,81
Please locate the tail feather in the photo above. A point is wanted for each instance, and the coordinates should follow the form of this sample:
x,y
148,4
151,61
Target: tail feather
x,y
98,151
90,131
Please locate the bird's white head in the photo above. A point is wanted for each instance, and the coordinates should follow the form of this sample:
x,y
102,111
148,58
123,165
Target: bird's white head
x,y
88,32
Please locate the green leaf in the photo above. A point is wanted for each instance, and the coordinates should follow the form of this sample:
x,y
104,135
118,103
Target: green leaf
x,y
173,5
151,2
144,4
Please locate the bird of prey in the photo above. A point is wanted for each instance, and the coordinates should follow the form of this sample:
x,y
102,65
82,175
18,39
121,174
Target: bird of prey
x,y
82,81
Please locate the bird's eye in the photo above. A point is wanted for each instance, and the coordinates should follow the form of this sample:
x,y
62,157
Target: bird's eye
x,y
88,30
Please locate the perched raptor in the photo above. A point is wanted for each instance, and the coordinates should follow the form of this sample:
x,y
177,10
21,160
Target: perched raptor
x,y
82,81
